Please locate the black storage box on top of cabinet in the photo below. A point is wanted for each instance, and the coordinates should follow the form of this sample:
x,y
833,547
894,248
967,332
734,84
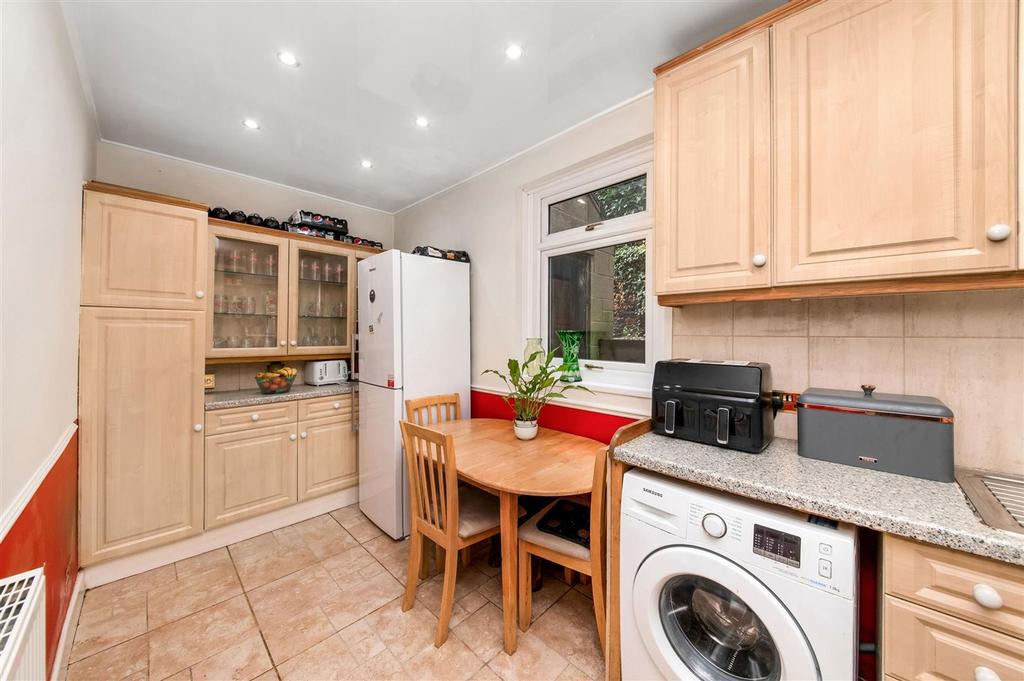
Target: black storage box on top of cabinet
x,y
904,434
726,404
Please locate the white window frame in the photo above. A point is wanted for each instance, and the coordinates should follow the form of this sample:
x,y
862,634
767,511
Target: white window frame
x,y
623,163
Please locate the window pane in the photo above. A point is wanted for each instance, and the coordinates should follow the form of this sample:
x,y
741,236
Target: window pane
x,y
614,201
601,292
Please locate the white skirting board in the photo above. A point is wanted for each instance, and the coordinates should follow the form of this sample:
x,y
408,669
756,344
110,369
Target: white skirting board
x,y
67,632
119,568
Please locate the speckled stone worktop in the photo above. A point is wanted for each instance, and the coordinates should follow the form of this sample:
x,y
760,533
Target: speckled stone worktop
x,y
928,511
250,398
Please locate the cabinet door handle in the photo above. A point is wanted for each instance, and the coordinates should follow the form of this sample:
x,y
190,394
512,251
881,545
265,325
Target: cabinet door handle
x,y
201,293
759,259
295,342
987,597
292,437
255,417
998,232
303,435
198,427
284,343
336,405
985,674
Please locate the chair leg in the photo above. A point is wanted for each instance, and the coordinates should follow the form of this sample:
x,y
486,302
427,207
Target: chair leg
x,y
466,555
451,567
597,591
525,588
415,556
438,557
569,575
424,565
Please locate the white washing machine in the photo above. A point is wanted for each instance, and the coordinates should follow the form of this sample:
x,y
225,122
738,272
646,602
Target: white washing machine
x,y
719,588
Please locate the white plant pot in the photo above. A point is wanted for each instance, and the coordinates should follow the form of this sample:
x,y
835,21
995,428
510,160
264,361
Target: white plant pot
x,y
525,430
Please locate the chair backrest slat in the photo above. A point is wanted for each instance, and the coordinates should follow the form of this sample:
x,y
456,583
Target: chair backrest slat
x,y
433,478
425,411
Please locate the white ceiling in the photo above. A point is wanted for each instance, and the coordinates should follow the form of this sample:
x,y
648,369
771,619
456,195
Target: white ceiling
x,y
179,78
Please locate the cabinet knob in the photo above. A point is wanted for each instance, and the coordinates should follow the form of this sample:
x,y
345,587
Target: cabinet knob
x,y
255,417
987,597
303,435
998,232
201,293
985,674
198,427
292,437
759,259
336,405
284,343
295,343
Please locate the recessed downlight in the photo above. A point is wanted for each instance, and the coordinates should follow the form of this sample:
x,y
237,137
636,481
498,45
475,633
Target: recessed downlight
x,y
366,163
287,58
422,122
514,51
251,124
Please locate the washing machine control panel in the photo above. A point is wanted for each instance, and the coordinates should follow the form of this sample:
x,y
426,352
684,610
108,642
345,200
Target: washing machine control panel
x,y
777,545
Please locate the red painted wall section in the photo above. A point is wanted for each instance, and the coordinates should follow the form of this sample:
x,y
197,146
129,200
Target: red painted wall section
x,y
592,424
46,533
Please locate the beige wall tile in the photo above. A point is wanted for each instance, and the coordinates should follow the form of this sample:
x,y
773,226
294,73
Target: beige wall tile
x,y
787,356
702,320
702,347
967,314
785,425
848,363
981,380
868,316
770,318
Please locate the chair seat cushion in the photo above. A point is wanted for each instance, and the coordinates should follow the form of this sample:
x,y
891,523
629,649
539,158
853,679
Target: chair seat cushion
x,y
531,533
478,511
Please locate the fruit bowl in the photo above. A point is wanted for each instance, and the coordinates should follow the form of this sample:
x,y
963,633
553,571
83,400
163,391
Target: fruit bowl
x,y
274,383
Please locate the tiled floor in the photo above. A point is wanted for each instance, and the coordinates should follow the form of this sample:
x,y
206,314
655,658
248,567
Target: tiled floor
x,y
322,600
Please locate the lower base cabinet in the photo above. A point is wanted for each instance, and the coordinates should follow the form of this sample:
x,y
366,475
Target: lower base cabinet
x,y
249,472
327,456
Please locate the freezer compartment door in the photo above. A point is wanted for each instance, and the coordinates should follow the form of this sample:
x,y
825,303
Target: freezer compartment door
x,y
380,329
382,479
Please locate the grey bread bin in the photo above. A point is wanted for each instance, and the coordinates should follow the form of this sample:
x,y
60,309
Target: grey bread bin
x,y
904,434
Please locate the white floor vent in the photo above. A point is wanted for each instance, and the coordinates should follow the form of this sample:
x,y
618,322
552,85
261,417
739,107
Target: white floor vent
x,y
23,627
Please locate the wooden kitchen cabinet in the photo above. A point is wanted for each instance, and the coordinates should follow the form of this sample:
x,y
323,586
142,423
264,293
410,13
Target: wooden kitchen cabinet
x,y
141,414
327,456
321,294
142,253
895,129
250,472
712,170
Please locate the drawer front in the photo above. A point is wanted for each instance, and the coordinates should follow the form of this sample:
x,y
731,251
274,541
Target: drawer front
x,y
924,644
322,407
243,418
957,583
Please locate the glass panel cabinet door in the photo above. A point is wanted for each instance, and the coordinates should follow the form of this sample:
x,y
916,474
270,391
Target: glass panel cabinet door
x,y
248,280
321,296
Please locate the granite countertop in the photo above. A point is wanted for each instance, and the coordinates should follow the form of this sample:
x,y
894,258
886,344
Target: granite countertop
x,y
928,511
250,398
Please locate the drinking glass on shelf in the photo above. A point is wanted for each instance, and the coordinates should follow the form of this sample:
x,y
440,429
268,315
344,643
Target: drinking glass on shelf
x,y
328,272
219,306
221,259
270,265
254,261
314,309
250,305
234,261
270,302
236,305
304,268
234,341
315,270
219,341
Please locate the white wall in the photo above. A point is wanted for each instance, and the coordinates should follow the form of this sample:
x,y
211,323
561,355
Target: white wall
x,y
47,140
482,216
141,169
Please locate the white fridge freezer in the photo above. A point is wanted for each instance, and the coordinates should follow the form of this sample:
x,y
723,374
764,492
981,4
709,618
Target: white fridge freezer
x,y
413,342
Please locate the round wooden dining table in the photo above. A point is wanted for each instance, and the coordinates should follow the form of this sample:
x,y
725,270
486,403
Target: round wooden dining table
x,y
488,455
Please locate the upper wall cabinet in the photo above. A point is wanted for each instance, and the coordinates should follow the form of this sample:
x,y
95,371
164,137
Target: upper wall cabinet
x,y
142,254
895,140
712,156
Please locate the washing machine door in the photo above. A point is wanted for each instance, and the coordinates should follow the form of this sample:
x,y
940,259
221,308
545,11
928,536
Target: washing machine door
x,y
702,616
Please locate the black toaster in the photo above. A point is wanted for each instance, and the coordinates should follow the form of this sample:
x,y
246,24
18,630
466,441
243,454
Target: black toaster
x,y
727,404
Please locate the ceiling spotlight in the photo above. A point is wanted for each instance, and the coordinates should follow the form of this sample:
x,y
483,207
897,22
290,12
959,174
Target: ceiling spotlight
x,y
287,58
422,122
366,163
514,51
251,124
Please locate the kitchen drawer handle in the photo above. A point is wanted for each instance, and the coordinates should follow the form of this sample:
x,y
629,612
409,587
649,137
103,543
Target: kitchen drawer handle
x,y
255,417
336,405
303,435
985,674
987,597
292,437
200,294
198,427
759,259
998,232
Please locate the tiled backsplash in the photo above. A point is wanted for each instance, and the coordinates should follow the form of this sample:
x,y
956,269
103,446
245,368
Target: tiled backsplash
x,y
243,376
967,349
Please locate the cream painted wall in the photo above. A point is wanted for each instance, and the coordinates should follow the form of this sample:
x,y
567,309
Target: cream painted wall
x,y
154,172
47,150
482,216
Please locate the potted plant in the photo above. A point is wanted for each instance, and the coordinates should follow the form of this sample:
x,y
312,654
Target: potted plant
x,y
531,384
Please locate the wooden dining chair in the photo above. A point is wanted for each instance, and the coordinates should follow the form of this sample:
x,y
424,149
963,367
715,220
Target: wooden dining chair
x,y
451,516
568,554
426,411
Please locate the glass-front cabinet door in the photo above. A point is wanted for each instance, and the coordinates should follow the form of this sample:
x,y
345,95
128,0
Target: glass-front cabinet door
x,y
320,299
247,312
